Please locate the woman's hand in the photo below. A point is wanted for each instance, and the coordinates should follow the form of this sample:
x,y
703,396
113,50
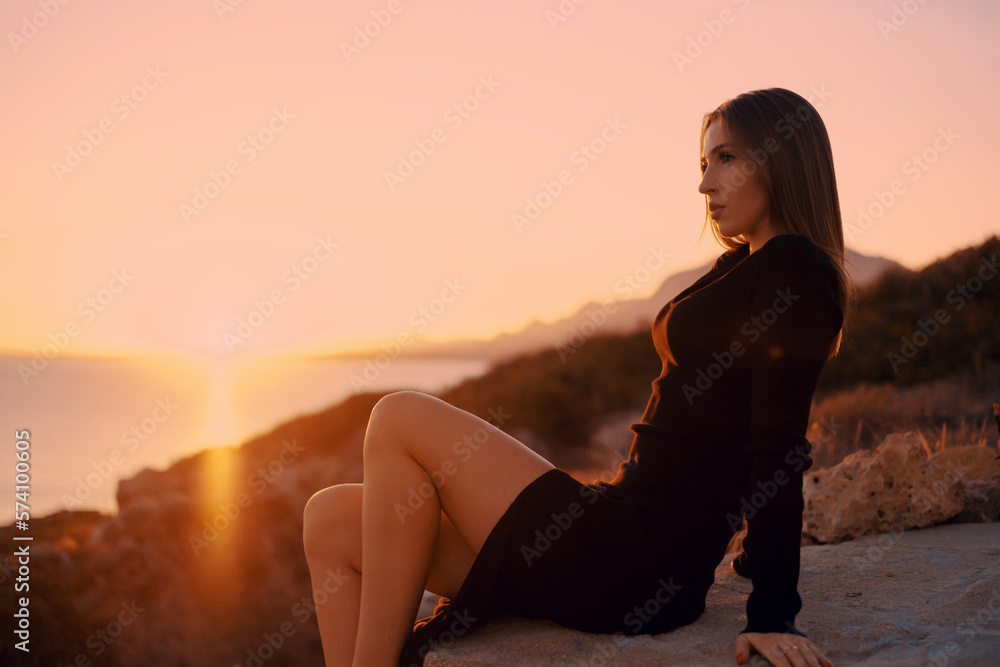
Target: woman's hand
x,y
781,649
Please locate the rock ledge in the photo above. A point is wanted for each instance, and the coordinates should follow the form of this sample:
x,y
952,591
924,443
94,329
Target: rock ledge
x,y
919,597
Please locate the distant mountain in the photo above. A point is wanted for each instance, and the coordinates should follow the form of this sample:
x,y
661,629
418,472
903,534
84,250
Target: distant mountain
x,y
616,317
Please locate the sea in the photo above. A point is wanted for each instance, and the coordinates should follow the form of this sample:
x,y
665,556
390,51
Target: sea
x,y
91,422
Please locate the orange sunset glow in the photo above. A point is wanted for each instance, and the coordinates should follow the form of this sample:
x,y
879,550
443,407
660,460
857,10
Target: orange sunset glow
x,y
216,189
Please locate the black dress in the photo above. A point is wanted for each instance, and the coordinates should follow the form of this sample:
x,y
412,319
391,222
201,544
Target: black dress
x,y
722,439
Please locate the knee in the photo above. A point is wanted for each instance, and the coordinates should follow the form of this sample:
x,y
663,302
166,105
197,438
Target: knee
x,y
392,407
329,515
393,417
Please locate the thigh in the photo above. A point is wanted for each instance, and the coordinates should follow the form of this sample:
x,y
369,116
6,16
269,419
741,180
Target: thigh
x,y
477,469
583,560
332,530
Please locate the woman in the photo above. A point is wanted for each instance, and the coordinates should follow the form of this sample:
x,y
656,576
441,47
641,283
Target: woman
x,y
722,440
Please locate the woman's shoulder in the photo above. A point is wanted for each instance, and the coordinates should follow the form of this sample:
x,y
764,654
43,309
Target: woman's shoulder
x,y
787,258
791,245
793,259
794,254
777,248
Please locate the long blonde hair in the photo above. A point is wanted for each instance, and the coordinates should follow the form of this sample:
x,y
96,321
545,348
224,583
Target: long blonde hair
x,y
787,141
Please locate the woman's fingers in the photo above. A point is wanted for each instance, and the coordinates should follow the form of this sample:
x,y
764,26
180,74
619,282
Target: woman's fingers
x,y
780,649
742,646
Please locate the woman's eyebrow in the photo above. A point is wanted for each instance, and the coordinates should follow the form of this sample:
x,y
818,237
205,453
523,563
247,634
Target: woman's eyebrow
x,y
719,147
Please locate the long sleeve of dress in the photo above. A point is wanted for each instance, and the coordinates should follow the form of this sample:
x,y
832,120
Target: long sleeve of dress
x,y
794,317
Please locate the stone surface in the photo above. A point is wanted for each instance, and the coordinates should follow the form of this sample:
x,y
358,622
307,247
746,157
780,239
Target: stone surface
x,y
891,488
919,597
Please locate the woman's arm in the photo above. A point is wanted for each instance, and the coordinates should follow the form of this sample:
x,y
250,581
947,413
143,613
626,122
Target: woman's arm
x,y
793,279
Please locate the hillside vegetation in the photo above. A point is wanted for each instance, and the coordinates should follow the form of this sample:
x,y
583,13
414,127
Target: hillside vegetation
x,y
921,352
917,326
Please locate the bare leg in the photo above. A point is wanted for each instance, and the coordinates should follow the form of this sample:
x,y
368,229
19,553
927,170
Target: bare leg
x,y
413,438
332,545
332,541
395,555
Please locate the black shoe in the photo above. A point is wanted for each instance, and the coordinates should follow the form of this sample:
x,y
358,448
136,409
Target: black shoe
x,y
741,565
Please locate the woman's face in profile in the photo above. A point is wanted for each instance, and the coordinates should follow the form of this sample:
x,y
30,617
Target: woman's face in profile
x,y
738,203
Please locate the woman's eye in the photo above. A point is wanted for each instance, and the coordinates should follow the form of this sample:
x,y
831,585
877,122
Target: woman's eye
x,y
723,158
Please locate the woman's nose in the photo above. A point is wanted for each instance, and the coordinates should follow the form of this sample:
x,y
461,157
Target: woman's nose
x,y
706,186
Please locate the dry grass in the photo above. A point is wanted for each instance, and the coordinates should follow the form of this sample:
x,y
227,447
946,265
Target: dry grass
x,y
946,413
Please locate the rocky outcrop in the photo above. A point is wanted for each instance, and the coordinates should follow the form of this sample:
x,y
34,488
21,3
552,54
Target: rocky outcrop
x,y
980,488
899,486
921,597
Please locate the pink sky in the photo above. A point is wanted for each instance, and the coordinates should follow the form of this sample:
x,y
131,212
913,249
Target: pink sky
x,y
307,233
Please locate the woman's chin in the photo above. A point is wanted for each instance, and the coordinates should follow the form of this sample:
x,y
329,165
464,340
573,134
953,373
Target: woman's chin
x,y
728,232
